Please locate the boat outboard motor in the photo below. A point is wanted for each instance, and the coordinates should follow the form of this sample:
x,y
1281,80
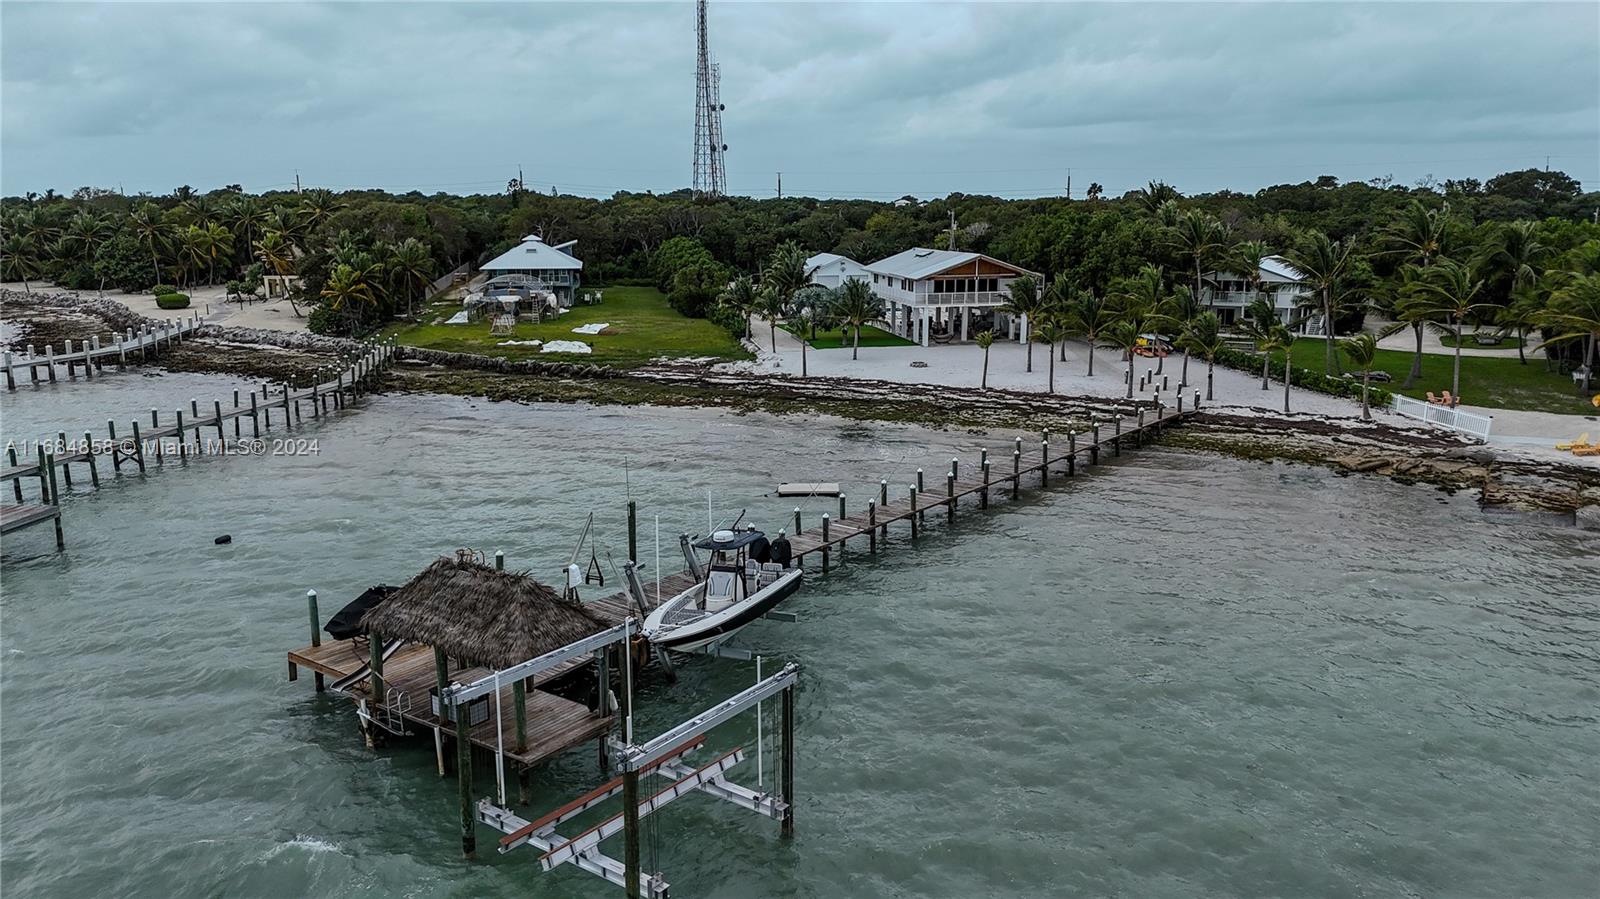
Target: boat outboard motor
x,y
779,551
760,550
346,623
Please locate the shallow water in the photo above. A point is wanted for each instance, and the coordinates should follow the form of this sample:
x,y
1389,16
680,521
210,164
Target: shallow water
x,y
1181,675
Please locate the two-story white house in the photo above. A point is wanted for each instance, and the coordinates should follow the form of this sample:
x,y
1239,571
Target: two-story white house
x,y
1283,284
551,268
832,270
944,295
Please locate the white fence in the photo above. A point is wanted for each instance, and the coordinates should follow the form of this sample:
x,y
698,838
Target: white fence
x,y
1444,416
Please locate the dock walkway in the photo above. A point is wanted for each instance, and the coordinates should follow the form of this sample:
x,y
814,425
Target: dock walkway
x,y
91,356
149,443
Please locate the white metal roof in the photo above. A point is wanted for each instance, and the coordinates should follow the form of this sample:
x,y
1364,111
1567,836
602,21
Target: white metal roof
x,y
1274,270
920,262
1278,268
824,260
533,253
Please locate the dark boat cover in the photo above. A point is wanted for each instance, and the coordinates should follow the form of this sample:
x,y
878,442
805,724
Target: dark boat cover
x,y
346,623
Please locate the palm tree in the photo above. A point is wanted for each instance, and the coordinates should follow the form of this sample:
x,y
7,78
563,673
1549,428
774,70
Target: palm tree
x,y
786,272
1418,237
1363,352
1141,299
1177,312
857,305
1087,315
1025,303
19,258
410,266
1154,194
1446,290
1575,314
1052,328
192,251
218,245
1123,334
317,206
773,306
1203,335
801,320
1199,236
984,339
150,229
1324,264
742,297
1521,315
201,209
82,237
1279,337
246,218
1259,317
349,292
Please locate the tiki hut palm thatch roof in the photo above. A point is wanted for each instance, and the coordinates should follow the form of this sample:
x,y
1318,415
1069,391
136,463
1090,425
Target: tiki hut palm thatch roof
x,y
481,616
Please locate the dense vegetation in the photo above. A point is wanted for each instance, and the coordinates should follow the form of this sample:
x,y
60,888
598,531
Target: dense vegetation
x,y
1518,252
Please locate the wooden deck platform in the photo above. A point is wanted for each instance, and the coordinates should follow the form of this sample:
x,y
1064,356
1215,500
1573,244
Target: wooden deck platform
x,y
16,516
554,724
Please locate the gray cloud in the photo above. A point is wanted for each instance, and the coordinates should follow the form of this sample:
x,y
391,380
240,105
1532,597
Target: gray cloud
x,y
866,99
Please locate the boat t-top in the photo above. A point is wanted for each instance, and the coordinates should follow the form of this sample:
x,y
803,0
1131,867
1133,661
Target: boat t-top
x,y
746,578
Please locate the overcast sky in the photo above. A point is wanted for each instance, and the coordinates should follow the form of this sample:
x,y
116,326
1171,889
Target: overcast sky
x,y
869,100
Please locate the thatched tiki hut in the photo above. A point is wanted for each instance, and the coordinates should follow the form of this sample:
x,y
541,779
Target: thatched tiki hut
x,y
480,617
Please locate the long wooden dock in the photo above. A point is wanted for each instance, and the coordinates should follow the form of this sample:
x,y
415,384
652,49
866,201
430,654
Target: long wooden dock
x,y
1021,468
91,356
187,432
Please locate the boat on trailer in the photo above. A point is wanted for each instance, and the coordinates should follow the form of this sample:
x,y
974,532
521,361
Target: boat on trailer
x,y
746,578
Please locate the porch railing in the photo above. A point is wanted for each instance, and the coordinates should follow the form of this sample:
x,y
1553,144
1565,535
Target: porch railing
x,y
1469,423
972,298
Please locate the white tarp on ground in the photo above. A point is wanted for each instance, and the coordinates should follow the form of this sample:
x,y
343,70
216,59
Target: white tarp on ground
x,y
566,346
520,343
591,328
460,318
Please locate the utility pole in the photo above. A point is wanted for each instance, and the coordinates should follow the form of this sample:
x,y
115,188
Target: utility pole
x,y
780,185
952,229
296,180
1069,184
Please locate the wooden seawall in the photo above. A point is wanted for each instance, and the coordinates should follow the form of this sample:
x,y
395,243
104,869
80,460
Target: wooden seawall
x,y
134,447
92,357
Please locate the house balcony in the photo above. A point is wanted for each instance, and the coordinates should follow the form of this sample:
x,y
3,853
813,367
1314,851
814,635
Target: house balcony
x,y
1242,298
970,298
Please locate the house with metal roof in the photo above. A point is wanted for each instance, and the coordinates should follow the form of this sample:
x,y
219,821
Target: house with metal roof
x,y
550,268
936,296
832,270
1284,285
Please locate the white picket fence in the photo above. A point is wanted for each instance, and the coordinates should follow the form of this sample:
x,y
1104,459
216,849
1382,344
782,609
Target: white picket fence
x,y
1469,423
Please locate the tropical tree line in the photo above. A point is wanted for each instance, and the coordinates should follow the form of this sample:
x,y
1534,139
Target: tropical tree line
x,y
98,239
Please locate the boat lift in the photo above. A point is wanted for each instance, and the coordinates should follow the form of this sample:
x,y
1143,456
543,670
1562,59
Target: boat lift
x,y
662,757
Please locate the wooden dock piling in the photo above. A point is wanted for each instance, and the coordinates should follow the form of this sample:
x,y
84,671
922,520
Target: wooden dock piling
x,y
66,471
316,635
94,472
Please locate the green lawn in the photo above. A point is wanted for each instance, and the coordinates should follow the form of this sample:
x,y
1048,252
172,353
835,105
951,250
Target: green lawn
x,y
641,327
1485,380
843,338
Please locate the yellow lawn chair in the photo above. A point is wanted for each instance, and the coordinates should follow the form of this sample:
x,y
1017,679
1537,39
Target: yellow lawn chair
x,y
1581,443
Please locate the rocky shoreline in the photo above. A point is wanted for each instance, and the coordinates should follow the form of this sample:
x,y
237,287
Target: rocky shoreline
x,y
1506,481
